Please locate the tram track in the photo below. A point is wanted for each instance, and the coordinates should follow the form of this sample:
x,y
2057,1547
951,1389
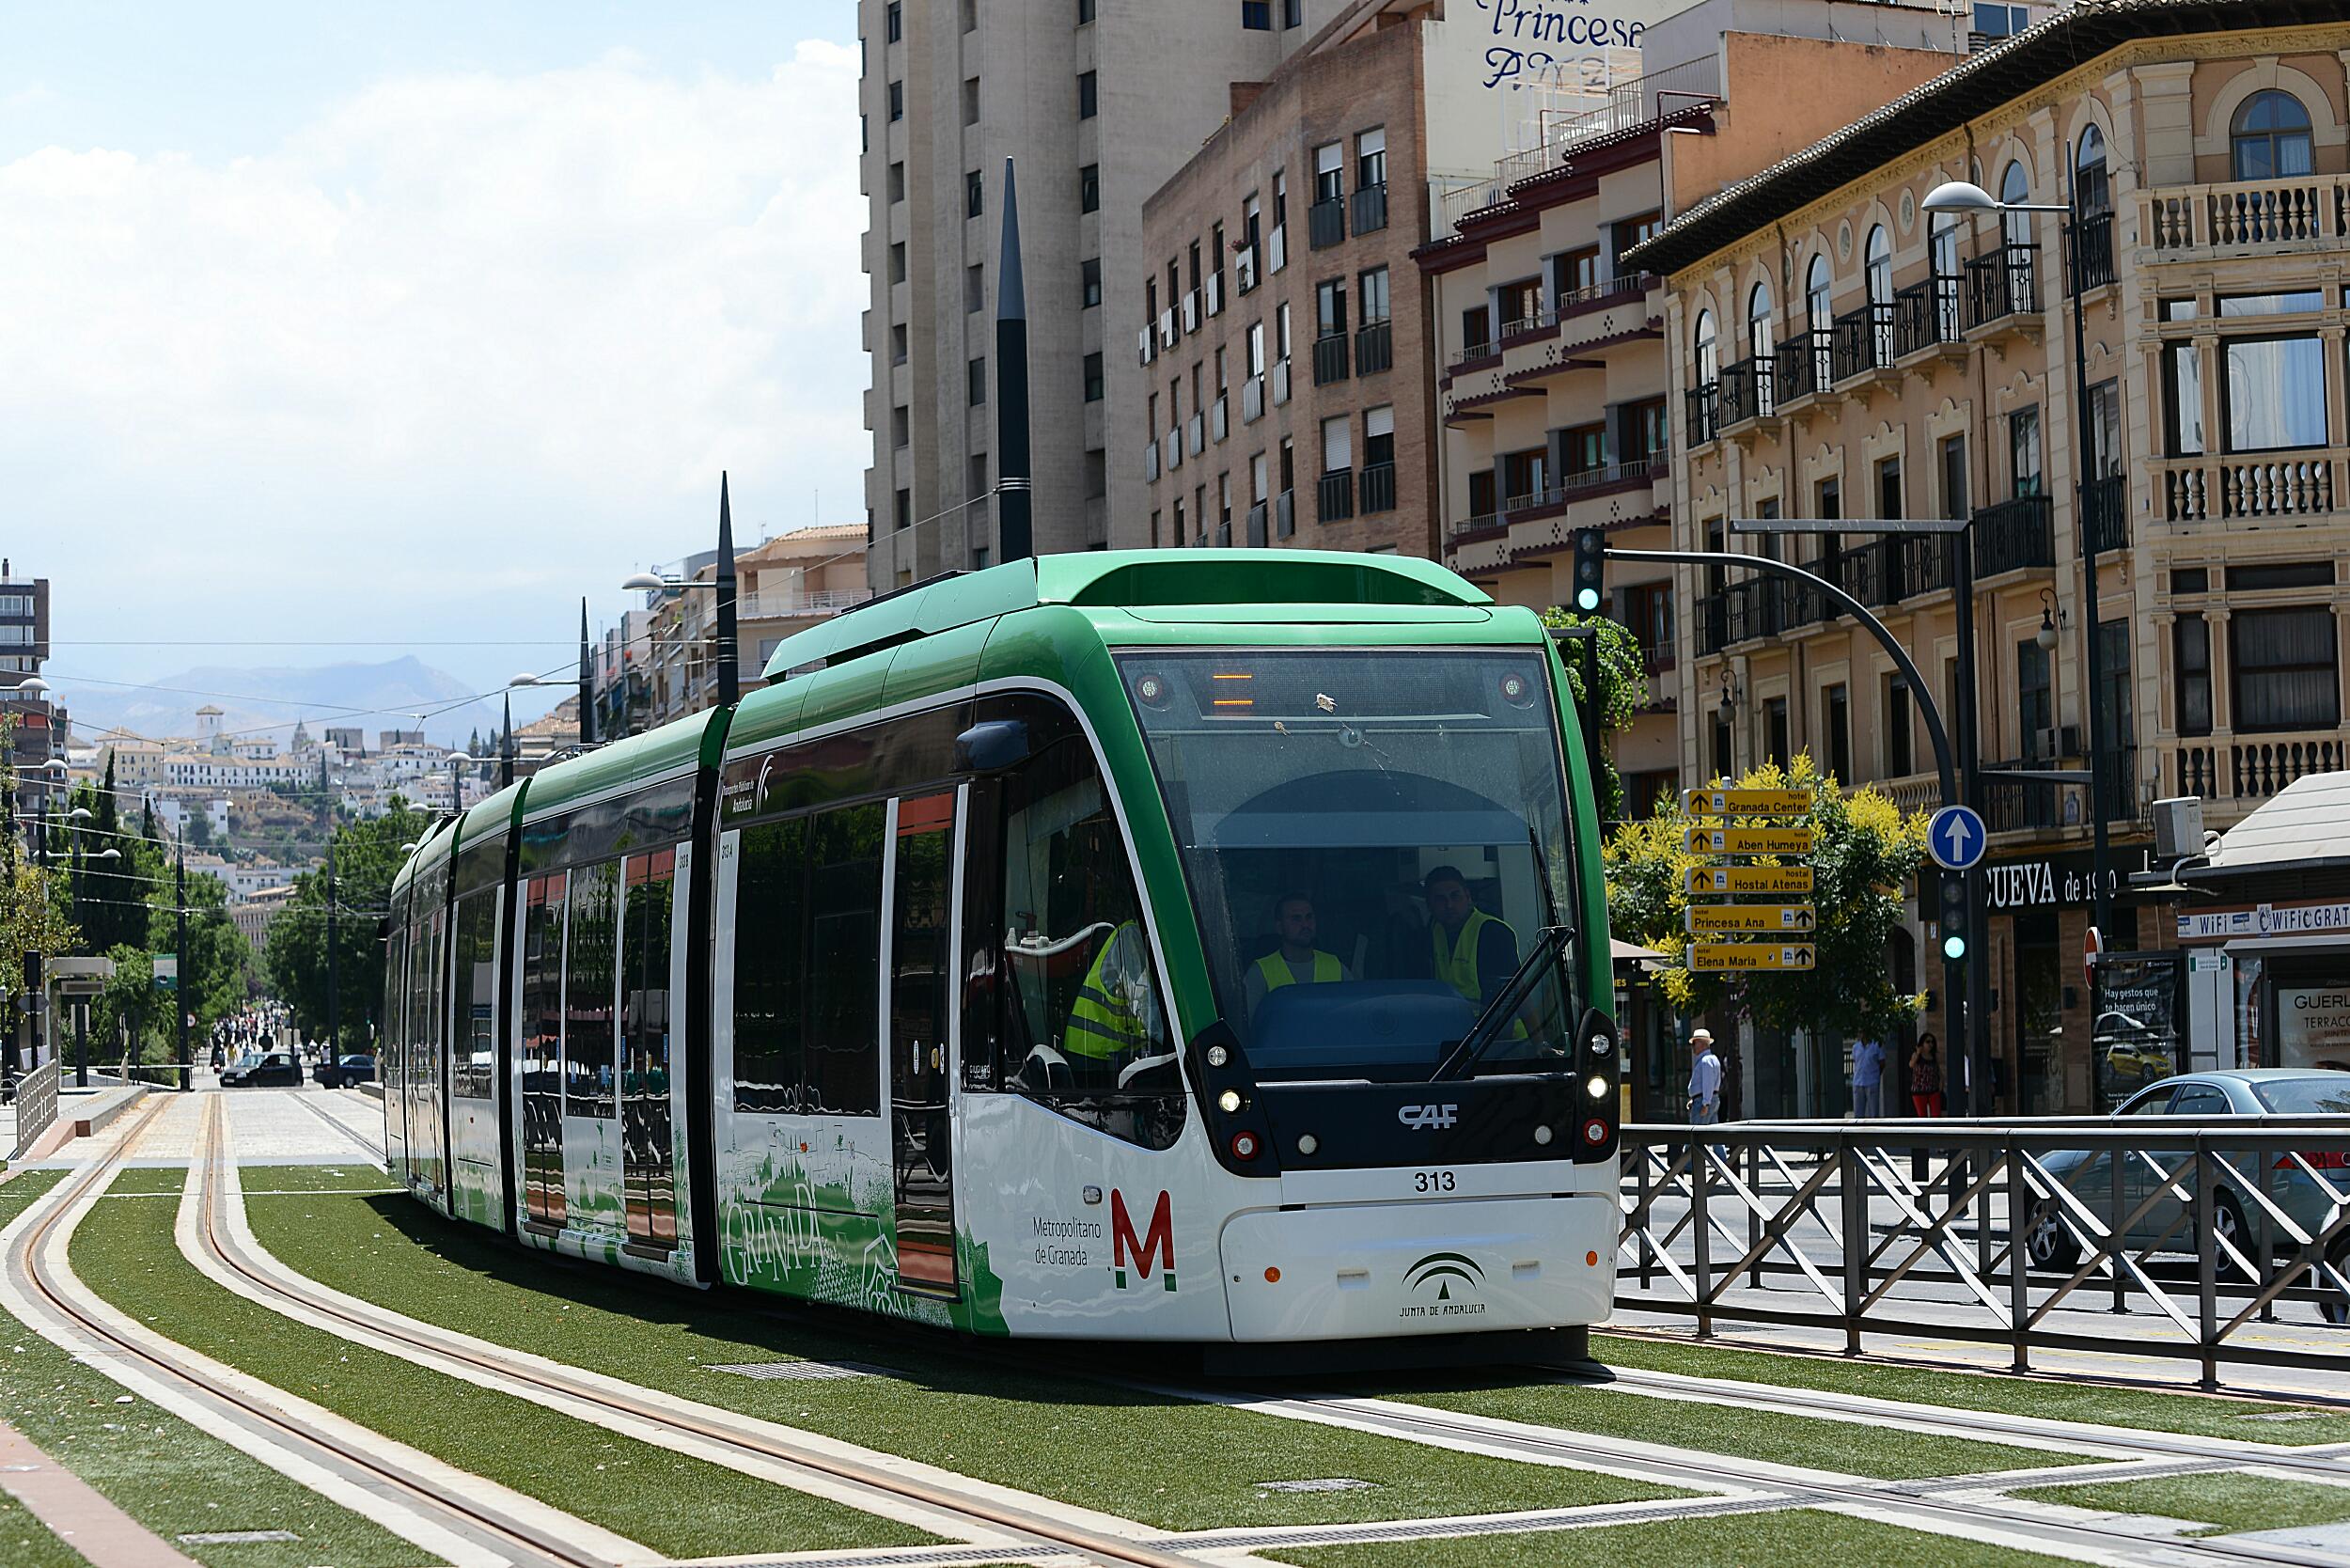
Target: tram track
x,y
1001,1525
373,1150
1904,1502
497,1537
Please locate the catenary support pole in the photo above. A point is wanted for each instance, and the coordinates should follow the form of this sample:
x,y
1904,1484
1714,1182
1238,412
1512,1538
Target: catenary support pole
x,y
1014,525
730,667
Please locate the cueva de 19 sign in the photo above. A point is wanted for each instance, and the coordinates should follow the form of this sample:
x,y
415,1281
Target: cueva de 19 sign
x,y
1535,37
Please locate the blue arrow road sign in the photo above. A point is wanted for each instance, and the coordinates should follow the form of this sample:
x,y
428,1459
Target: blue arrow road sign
x,y
1956,837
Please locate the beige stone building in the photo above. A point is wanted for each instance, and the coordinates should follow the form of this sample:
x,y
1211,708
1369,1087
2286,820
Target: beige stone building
x,y
1837,352
1098,102
1550,353
782,585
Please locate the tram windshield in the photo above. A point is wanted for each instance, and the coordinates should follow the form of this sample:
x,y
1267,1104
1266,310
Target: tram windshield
x,y
1376,841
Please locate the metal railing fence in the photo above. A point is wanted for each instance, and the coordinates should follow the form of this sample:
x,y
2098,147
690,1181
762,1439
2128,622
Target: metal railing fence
x,y
36,1106
2197,1228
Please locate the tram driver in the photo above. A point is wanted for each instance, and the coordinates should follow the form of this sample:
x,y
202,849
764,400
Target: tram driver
x,y
1296,961
1474,952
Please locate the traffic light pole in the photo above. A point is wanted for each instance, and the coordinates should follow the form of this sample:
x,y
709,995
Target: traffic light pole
x,y
181,993
1955,971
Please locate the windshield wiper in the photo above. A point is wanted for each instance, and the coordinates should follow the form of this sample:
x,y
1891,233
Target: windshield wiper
x,y
1503,1010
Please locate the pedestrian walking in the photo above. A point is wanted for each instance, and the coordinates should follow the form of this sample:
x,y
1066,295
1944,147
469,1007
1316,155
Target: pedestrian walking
x,y
1867,1080
1925,1094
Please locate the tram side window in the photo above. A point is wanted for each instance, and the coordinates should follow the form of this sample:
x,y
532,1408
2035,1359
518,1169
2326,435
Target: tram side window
x,y
472,1066
645,962
1086,1020
589,985
541,1020
808,965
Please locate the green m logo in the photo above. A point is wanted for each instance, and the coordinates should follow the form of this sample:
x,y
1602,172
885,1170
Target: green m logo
x,y
1444,1267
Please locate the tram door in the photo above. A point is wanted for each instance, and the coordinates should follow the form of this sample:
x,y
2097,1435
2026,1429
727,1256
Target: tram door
x,y
541,1029
648,1152
921,996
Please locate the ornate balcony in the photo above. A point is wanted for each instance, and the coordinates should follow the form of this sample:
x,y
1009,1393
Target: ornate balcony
x,y
2244,770
1800,367
1926,317
2243,217
2003,288
1746,390
1704,410
2297,484
1863,341
2094,253
2106,513
2014,536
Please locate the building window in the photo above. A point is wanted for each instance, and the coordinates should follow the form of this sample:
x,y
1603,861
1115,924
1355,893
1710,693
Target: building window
x,y
904,517
975,381
1257,15
1378,437
897,182
1089,282
975,287
1292,13
901,426
1582,449
1088,97
1706,350
1899,755
1477,332
1776,743
2269,575
1089,188
2270,139
1085,11
1094,378
974,194
1337,444
2183,400
971,100
974,481
2090,180
2282,669
1370,159
1330,308
893,21
2035,706
1954,454
2274,392
1097,471
898,343
2191,637
1374,296
1723,766
1890,488
1997,20
1835,704
1574,273
2023,453
896,101
897,262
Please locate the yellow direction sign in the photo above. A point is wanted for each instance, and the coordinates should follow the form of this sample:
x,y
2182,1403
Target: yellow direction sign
x,y
1749,956
1746,802
1776,881
1777,920
1748,840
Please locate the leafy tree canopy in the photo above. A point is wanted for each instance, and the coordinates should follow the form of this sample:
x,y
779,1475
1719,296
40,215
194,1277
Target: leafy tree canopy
x,y
1623,685
367,856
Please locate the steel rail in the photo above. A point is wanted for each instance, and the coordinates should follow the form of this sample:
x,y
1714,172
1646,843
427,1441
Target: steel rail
x,y
1036,1531
1887,1497
375,1155
455,1514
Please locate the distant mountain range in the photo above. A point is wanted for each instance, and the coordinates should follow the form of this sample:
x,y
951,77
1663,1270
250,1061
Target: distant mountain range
x,y
268,701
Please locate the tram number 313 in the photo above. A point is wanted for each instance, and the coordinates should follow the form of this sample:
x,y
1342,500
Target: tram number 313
x,y
1431,1181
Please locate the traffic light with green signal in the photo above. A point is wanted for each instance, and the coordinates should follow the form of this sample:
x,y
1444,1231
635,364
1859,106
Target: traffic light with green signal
x,y
1590,570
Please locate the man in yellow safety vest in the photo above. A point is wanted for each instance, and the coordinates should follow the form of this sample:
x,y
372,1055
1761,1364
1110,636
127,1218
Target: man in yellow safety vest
x,y
1296,961
1475,954
1115,1018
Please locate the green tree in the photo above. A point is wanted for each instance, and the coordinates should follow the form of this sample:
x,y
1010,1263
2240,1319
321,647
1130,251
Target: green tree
x,y
1864,851
367,856
1623,685
130,1009
214,974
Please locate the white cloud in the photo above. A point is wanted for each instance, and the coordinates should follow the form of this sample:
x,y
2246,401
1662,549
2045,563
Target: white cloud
x,y
524,317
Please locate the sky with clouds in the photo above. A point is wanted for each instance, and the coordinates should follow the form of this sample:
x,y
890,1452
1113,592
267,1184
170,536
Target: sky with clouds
x,y
402,328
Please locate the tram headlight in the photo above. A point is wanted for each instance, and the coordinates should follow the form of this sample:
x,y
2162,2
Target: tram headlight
x,y
1516,691
1152,689
1596,1087
1219,1056
1228,1102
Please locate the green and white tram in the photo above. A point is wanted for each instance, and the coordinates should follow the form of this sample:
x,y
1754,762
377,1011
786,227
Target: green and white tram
x,y
1170,945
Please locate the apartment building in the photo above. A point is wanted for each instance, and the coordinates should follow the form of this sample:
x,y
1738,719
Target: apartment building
x,y
35,725
782,585
1097,102
1550,368
1837,352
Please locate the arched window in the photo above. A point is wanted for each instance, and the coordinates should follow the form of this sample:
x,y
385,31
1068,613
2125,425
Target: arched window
x,y
2088,173
1942,251
1760,342
2015,186
1819,318
1879,275
1708,356
2270,138
2014,278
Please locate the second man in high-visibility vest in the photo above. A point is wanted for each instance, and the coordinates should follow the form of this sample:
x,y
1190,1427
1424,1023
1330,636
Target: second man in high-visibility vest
x,y
1296,961
1115,1018
1474,953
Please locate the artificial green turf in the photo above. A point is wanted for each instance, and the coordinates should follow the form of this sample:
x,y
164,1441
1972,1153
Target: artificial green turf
x,y
2228,1501
27,1542
1171,1463
2198,1415
169,1476
314,1178
148,1180
1849,1447
1797,1537
676,1505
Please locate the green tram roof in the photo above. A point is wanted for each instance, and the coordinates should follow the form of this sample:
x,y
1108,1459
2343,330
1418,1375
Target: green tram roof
x,y
1125,579
638,758
494,814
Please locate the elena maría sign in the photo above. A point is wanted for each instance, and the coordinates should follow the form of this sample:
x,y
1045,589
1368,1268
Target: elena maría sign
x,y
1536,37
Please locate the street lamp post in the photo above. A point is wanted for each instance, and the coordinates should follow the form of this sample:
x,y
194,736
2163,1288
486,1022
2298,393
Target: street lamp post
x,y
1961,198
506,736
722,584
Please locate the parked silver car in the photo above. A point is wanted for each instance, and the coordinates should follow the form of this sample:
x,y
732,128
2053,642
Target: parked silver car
x,y
2312,1185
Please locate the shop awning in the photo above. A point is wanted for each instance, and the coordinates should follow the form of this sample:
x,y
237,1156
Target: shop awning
x,y
1627,952
2306,828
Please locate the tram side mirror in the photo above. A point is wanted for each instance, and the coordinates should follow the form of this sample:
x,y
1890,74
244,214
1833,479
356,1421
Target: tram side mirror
x,y
992,747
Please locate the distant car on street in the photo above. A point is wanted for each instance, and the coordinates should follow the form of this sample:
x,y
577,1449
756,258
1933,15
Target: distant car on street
x,y
344,1073
2310,1189
257,1069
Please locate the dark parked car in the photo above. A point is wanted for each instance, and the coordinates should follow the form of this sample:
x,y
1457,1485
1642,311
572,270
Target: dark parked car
x,y
256,1069
347,1071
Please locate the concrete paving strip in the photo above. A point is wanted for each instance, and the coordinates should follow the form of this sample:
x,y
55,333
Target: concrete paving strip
x,y
452,1354
1978,1425
369,1496
77,1513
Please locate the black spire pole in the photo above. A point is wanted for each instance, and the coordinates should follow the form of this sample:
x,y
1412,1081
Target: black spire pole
x,y
730,675
586,683
1014,531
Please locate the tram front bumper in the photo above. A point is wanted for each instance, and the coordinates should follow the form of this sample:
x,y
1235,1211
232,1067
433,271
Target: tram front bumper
x,y
1462,1266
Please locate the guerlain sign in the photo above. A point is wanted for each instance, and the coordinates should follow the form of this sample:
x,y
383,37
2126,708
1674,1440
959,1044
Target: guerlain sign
x,y
1547,38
